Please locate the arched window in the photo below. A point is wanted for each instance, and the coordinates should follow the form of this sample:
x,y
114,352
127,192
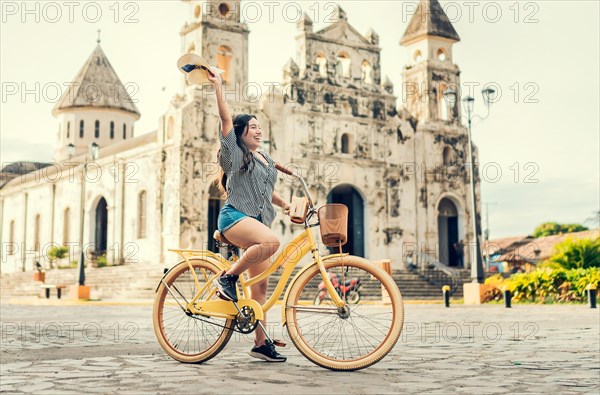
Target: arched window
x,y
321,62
417,56
68,129
170,128
367,72
346,143
223,9
441,54
224,56
97,129
448,157
443,105
141,231
112,130
11,239
36,233
343,65
81,129
66,218
124,131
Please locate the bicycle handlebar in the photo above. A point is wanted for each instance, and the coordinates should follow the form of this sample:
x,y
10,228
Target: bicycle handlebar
x,y
283,169
288,171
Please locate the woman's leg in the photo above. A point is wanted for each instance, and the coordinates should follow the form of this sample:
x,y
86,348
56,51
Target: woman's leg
x,y
260,243
258,240
259,293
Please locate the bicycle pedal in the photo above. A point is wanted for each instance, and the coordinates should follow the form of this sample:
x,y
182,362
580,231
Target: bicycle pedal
x,y
279,343
219,295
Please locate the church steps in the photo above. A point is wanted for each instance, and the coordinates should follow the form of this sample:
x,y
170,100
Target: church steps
x,y
139,281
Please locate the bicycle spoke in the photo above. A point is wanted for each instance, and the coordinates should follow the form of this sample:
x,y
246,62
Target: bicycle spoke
x,y
334,334
183,332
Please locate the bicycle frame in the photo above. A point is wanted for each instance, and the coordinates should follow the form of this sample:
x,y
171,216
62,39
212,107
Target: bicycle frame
x,y
290,256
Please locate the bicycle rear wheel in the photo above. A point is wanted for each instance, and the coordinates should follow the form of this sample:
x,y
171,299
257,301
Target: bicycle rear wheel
x,y
187,338
355,337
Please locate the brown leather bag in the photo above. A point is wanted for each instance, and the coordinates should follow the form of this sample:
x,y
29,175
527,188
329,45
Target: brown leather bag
x,y
298,209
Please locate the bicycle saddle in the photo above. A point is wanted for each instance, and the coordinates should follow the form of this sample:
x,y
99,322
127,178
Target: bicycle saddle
x,y
219,237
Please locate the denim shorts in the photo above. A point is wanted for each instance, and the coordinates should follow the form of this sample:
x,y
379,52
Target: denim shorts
x,y
229,216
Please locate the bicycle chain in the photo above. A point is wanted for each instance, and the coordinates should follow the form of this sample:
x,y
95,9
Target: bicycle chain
x,y
214,323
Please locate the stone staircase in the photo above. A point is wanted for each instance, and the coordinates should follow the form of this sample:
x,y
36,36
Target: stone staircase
x,y
138,281
411,285
113,282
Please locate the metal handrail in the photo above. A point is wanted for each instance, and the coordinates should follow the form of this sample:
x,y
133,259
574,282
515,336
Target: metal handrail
x,y
432,270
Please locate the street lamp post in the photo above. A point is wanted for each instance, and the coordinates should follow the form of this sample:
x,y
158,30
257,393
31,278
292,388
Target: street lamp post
x,y
83,293
468,103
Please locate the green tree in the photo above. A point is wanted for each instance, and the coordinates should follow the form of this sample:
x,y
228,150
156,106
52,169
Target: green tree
x,y
554,228
576,254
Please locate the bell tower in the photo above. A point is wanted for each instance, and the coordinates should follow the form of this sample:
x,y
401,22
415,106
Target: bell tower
x,y
217,33
429,70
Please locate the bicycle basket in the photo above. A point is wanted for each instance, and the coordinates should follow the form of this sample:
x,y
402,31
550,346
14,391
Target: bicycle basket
x,y
333,221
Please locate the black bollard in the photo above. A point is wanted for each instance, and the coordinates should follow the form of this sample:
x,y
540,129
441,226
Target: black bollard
x,y
591,295
446,292
507,297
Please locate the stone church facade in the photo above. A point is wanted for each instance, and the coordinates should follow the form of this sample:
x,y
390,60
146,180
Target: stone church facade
x,y
334,118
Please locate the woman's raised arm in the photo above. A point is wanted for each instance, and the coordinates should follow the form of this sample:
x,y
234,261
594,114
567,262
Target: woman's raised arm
x,y
226,121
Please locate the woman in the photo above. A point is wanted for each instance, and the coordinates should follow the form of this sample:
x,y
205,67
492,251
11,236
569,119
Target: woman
x,y
249,177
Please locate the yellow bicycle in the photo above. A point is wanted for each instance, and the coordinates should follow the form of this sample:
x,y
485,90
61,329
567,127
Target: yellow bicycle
x,y
192,324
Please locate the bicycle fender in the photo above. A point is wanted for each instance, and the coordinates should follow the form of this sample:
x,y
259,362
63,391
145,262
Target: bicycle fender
x,y
210,259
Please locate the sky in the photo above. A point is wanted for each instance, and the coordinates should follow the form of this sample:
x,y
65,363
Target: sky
x,y
539,146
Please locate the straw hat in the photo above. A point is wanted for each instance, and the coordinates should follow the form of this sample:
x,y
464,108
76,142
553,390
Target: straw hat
x,y
195,68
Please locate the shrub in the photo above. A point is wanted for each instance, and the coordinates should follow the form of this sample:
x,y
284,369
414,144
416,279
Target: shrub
x,y
574,254
546,285
58,252
102,260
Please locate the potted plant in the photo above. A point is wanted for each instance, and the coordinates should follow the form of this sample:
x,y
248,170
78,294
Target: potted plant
x,y
39,274
56,254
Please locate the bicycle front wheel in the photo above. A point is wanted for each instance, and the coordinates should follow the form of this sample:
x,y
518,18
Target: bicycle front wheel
x,y
188,338
355,336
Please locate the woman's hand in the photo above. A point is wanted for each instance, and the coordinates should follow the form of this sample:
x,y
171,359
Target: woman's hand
x,y
286,208
214,78
277,200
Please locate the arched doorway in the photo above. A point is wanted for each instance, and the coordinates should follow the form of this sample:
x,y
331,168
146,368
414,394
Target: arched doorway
x,y
215,202
101,227
346,194
447,232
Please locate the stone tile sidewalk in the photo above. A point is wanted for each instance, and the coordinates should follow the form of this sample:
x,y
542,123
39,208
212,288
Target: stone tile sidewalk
x,y
462,349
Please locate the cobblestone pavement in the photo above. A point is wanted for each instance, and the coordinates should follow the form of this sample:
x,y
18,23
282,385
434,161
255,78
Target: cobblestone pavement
x,y
463,349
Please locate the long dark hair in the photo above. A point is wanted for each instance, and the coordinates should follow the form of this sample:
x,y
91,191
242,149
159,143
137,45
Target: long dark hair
x,y
240,122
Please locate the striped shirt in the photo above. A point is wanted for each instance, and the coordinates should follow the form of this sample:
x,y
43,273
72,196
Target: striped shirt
x,y
248,191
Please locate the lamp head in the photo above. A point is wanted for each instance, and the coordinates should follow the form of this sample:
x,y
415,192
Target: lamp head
x,y
450,95
94,150
488,95
469,103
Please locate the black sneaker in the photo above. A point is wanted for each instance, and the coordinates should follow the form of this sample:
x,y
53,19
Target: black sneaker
x,y
267,352
226,286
